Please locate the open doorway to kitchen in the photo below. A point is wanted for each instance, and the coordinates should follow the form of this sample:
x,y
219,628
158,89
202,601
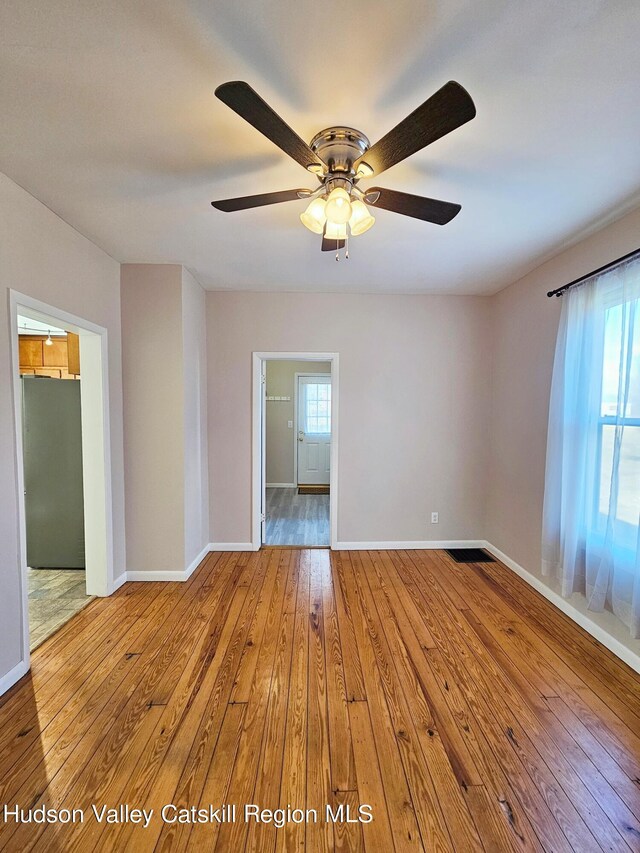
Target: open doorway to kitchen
x,y
295,431
49,363
64,487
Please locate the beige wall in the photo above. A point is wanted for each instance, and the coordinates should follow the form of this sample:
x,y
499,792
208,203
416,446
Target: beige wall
x,y
281,443
413,407
153,386
43,257
196,464
443,400
164,380
524,328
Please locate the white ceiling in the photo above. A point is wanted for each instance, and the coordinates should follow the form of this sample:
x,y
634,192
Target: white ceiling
x,y
27,326
108,116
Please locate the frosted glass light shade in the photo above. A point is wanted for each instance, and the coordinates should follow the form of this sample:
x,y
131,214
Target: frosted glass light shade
x,y
335,231
361,220
314,217
338,209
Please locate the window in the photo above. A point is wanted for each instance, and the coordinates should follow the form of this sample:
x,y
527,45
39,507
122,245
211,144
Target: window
x,y
591,517
618,443
317,408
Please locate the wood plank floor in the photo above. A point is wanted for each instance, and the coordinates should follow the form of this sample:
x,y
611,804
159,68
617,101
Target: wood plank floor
x,y
294,519
455,702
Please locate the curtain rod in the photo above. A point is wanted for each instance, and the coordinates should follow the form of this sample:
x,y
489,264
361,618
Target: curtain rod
x,y
560,290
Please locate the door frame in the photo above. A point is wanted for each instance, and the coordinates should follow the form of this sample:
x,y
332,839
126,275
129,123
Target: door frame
x,y
96,447
258,490
295,420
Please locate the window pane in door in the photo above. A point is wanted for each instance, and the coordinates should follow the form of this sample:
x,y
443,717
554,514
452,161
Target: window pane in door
x,y
317,408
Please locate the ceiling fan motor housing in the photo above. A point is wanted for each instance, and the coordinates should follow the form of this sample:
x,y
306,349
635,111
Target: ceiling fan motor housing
x,y
340,148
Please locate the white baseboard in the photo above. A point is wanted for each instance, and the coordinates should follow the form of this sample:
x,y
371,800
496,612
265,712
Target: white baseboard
x,y
196,562
426,545
184,574
170,574
12,676
280,486
591,627
119,581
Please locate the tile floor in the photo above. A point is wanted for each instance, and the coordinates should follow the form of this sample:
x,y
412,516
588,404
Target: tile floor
x,y
55,595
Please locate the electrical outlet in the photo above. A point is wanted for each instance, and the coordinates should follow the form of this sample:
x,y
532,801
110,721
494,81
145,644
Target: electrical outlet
x,y
290,424
434,518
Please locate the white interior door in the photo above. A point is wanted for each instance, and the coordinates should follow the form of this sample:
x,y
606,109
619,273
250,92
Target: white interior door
x,y
314,429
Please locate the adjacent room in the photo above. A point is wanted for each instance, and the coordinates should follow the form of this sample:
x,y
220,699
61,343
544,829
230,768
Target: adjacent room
x,y
320,421
49,363
297,452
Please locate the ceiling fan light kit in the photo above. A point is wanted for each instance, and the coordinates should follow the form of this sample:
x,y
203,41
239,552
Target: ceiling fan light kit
x,y
338,207
336,156
314,217
336,231
361,219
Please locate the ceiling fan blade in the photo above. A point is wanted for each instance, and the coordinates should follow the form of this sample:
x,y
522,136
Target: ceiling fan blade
x,y
429,209
228,205
250,106
449,108
331,245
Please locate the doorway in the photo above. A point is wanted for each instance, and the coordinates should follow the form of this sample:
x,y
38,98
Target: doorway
x,y
49,364
63,464
295,433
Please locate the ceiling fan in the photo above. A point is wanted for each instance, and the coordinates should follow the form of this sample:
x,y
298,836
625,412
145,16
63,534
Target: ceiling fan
x,y
341,156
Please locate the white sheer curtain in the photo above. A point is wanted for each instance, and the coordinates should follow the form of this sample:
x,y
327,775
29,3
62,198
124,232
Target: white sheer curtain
x,y
591,521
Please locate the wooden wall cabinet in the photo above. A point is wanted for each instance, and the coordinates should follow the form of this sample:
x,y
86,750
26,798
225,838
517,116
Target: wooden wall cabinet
x,y
31,352
73,354
61,360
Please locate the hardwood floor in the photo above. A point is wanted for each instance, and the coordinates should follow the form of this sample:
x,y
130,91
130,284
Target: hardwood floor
x,y
294,519
453,700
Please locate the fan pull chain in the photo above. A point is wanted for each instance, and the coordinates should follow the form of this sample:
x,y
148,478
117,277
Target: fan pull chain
x,y
346,253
